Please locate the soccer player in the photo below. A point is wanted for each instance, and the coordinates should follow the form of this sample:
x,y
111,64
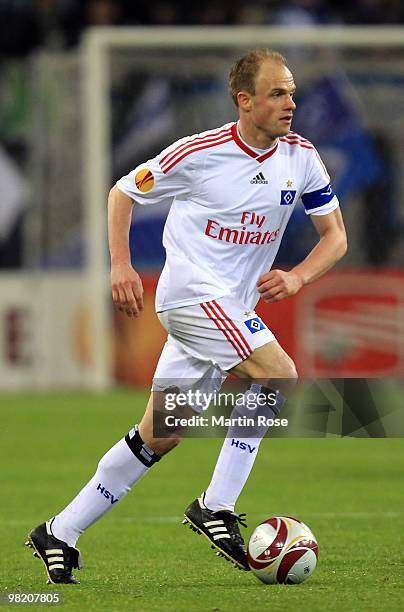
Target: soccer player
x,y
233,190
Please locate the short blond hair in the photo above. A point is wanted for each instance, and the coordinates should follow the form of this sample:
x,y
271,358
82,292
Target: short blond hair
x,y
243,75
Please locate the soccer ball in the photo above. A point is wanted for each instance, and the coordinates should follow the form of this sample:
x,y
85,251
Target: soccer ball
x,y
282,550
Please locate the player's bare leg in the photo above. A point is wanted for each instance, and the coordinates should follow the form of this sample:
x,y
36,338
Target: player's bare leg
x,y
160,445
269,364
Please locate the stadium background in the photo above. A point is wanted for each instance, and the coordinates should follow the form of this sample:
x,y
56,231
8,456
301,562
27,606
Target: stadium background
x,y
349,324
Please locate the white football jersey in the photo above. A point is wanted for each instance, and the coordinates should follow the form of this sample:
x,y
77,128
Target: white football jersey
x,y
230,207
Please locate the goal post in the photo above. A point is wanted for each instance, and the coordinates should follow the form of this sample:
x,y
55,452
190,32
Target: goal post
x,y
98,45
96,182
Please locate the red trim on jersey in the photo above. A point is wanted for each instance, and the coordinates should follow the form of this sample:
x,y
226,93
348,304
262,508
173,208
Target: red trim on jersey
x,y
236,329
246,148
219,324
295,141
269,153
296,138
240,143
321,162
296,135
190,142
190,150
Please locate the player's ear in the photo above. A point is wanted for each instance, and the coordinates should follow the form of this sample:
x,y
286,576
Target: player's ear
x,y
244,100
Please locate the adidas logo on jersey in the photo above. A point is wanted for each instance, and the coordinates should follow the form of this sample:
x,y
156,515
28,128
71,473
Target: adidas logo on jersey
x,y
259,180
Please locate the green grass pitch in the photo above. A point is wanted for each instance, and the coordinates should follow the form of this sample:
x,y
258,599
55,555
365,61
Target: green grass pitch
x,y
140,557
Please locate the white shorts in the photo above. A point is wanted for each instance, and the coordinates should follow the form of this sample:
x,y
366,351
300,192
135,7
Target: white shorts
x,y
206,340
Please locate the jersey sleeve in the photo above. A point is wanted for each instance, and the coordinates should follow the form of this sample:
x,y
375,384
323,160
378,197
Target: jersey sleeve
x,y
151,183
318,196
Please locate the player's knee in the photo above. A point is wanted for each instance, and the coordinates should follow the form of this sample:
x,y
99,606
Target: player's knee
x,y
162,446
285,369
289,370
282,376
286,378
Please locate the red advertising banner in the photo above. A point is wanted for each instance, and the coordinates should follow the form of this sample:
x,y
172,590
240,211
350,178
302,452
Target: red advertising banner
x,y
347,324
355,327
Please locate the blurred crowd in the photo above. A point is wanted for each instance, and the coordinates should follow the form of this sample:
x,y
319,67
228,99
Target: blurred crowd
x,y
28,24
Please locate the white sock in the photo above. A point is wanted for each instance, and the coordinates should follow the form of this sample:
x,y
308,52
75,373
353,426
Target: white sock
x,y
236,457
117,472
232,469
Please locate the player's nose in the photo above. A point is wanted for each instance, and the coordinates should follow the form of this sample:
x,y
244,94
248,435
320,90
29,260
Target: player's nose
x,y
291,105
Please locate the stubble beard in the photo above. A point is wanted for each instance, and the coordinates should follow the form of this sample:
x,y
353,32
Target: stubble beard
x,y
274,133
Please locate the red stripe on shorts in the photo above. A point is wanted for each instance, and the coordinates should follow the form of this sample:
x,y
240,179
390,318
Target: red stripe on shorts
x,y
231,328
220,325
236,329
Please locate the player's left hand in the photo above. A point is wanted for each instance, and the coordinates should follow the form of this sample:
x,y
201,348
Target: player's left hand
x,y
276,285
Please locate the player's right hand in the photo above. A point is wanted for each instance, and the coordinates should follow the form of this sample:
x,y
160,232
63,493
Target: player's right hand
x,y
127,289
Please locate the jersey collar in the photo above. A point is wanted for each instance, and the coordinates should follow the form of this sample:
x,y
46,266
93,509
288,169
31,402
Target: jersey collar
x,y
258,157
